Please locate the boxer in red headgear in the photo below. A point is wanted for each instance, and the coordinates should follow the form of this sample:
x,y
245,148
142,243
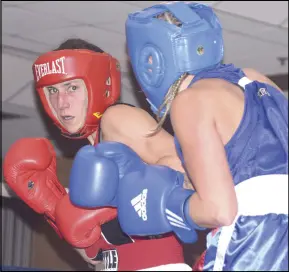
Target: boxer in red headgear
x,y
76,84
76,87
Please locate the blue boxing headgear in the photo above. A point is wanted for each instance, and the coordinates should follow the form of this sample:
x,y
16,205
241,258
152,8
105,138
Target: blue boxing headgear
x,y
195,45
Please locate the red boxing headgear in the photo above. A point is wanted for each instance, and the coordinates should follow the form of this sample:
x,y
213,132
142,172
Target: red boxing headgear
x,y
95,69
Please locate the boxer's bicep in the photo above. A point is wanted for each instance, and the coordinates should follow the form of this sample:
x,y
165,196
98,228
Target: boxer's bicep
x,y
204,155
131,126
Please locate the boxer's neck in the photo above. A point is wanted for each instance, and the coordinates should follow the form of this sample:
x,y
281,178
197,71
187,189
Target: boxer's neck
x,y
91,138
186,82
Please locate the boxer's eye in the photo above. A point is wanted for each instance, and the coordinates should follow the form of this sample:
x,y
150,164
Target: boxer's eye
x,y
52,90
73,88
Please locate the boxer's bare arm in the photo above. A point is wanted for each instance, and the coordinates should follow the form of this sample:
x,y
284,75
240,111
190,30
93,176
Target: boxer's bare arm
x,y
130,126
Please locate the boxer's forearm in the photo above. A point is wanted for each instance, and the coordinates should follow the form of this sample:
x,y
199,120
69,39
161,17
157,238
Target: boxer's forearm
x,y
206,214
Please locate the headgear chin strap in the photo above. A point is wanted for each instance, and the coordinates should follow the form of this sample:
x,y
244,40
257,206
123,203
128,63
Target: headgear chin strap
x,y
95,69
161,52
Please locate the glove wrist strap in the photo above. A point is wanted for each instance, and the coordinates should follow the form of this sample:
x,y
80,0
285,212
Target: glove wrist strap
x,y
187,216
178,216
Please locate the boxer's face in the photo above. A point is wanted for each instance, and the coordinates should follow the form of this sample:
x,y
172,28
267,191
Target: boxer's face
x,y
68,101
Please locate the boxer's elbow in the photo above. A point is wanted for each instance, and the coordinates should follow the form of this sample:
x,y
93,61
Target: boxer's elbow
x,y
221,204
217,217
223,211
214,214
226,217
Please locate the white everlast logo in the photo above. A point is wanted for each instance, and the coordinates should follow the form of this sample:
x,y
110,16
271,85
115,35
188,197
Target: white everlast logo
x,y
53,67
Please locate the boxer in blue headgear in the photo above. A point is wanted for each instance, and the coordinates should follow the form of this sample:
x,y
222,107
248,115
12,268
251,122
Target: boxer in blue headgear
x,y
165,52
231,134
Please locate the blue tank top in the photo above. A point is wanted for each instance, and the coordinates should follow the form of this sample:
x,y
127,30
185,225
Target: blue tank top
x,y
260,144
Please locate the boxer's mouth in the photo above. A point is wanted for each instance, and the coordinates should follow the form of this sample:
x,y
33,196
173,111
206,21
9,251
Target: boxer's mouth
x,y
67,117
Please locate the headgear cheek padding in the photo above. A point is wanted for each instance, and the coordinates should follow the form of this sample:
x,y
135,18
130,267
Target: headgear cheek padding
x,y
100,73
160,52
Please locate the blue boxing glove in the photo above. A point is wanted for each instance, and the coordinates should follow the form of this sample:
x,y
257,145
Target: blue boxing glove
x,y
93,179
95,174
150,198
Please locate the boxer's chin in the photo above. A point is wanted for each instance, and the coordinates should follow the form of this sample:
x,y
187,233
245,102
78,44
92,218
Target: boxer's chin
x,y
72,129
72,126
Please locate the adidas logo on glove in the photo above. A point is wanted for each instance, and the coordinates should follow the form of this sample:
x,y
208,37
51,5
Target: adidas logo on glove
x,y
176,220
139,203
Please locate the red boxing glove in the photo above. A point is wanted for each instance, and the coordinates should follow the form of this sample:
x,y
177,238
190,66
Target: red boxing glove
x,y
30,171
81,227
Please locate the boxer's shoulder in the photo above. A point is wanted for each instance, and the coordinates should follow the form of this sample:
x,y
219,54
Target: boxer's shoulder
x,y
200,99
131,126
121,117
207,98
124,123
